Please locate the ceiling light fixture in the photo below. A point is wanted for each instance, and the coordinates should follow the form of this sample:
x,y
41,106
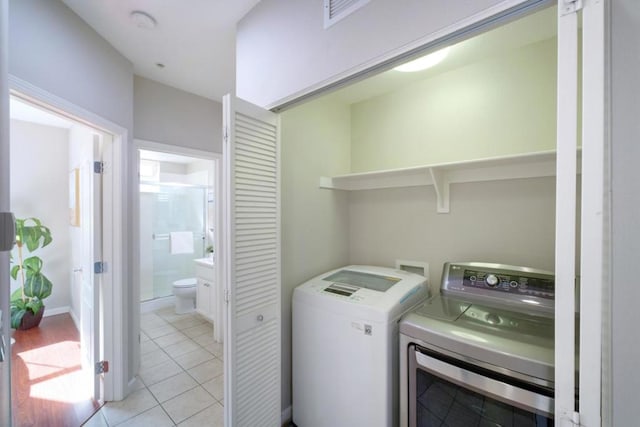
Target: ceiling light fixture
x,y
143,20
424,62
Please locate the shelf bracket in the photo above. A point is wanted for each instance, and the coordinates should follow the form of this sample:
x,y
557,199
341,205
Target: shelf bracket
x,y
326,182
441,185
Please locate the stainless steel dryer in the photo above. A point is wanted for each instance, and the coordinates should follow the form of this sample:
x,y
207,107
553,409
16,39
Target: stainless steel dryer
x,y
482,352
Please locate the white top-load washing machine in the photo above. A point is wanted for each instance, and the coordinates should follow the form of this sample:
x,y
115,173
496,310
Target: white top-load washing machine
x,y
345,345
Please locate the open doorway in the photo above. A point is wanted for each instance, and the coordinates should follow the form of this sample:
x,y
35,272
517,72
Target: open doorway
x,y
55,191
181,359
176,227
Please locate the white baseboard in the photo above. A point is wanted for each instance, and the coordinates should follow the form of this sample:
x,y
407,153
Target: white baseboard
x,y
285,418
54,311
156,304
75,319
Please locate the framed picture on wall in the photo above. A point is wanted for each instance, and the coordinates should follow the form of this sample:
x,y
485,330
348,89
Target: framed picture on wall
x,y
74,197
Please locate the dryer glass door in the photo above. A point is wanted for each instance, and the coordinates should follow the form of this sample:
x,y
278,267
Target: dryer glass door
x,y
442,393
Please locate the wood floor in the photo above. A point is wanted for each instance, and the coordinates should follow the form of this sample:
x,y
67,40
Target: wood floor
x,y
47,383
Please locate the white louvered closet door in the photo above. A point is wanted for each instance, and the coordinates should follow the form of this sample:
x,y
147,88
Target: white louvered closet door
x,y
251,254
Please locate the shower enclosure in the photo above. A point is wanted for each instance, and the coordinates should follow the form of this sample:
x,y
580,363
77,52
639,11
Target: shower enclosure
x,y
167,208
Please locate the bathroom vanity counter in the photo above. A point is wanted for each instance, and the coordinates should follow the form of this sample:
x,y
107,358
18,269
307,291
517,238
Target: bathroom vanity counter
x,y
205,262
206,288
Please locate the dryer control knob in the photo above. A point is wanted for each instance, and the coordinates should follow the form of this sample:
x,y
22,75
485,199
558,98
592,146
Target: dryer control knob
x,y
492,280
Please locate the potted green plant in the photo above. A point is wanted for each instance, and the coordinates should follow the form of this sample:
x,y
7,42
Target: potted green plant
x,y
27,306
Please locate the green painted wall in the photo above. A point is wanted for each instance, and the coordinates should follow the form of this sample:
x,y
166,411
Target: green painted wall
x,y
502,105
315,222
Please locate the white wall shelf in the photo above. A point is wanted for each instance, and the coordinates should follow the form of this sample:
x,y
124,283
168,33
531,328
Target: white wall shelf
x,y
441,176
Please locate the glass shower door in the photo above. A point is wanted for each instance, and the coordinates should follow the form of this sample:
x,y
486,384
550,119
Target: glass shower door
x,y
165,209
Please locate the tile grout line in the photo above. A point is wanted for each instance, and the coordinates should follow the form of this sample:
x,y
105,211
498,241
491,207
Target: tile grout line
x,y
198,383
202,410
161,322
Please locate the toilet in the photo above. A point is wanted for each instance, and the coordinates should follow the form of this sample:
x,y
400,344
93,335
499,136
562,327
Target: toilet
x,y
184,291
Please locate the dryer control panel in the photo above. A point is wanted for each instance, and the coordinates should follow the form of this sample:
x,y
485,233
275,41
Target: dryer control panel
x,y
500,283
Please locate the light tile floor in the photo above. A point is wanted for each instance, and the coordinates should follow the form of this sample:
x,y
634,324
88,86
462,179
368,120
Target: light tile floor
x,y
181,376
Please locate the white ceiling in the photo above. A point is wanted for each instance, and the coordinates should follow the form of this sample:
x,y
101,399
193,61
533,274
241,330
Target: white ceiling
x,y
195,39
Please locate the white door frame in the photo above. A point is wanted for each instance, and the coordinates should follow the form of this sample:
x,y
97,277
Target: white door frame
x,y
113,347
141,144
5,338
565,244
595,215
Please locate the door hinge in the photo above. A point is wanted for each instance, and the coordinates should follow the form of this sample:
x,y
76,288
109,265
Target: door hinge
x,y
226,295
99,267
98,167
569,6
102,367
226,134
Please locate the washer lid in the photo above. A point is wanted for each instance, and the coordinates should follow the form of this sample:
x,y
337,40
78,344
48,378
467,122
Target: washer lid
x,y
361,279
185,283
363,292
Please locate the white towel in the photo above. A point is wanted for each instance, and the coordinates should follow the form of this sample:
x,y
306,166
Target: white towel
x,y
181,242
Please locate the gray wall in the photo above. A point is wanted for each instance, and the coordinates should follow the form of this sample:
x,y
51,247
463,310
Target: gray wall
x,y
40,188
53,49
171,116
625,199
282,47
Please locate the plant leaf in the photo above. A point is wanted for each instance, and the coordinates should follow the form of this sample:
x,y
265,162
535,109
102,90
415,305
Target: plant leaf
x,y
34,305
31,232
14,272
46,234
37,285
16,296
16,316
18,309
32,236
33,265
18,303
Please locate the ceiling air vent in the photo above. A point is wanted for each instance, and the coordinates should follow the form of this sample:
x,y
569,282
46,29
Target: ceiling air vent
x,y
335,10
